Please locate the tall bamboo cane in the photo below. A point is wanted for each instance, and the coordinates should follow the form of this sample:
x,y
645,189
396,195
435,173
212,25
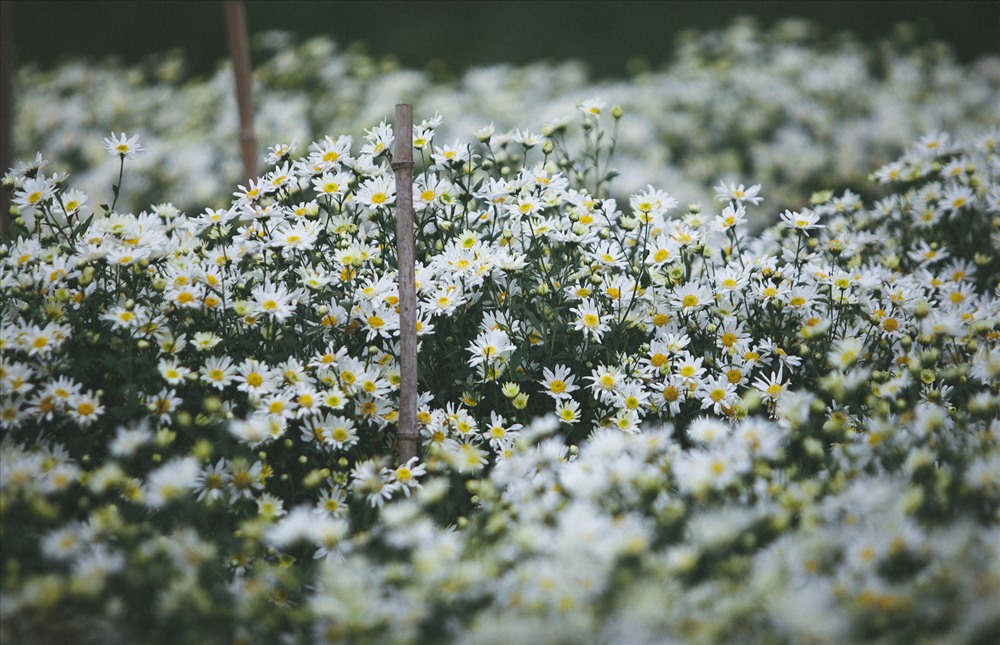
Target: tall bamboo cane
x,y
239,52
6,106
402,166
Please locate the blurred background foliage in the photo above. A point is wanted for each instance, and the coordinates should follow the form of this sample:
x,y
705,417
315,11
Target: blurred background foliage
x,y
448,37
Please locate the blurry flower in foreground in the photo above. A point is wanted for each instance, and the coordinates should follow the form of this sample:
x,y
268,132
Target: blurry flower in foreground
x,y
370,483
171,480
592,107
123,146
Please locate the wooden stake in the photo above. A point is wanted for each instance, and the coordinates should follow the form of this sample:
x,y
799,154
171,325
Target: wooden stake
x,y
402,166
6,108
239,52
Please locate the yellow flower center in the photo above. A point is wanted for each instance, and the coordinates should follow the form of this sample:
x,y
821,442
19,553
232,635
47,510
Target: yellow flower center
x,y
47,404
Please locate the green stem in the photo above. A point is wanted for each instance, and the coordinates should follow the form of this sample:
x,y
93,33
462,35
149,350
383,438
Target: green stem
x,y
116,188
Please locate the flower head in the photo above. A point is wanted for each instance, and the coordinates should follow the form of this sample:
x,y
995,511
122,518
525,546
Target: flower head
x,y
122,146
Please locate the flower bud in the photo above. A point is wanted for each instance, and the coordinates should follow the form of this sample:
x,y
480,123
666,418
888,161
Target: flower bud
x,y
510,389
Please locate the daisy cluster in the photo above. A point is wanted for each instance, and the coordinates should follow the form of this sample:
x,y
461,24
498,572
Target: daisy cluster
x,y
786,106
791,434
632,539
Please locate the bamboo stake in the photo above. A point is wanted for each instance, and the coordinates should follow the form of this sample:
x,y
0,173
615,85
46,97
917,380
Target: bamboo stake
x,y
6,107
402,166
239,52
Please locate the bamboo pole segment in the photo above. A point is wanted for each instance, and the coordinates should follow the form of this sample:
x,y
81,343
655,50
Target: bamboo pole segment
x,y
239,52
6,108
402,166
